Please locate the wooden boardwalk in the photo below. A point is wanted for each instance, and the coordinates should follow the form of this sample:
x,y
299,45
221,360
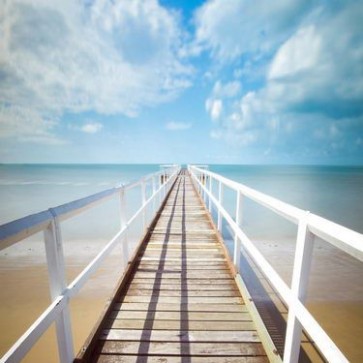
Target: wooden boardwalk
x,y
180,302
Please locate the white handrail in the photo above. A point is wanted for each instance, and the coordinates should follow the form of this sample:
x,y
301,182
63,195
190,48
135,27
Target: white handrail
x,y
49,221
310,225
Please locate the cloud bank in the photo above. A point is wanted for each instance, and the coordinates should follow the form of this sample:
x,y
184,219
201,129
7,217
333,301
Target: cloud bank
x,y
70,56
311,99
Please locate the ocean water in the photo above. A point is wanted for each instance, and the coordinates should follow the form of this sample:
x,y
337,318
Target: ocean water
x,y
27,189
333,192
336,193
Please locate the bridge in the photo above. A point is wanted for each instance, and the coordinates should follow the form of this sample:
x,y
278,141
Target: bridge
x,y
183,295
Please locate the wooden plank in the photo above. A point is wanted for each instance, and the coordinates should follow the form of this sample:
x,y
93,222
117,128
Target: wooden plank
x,y
186,237
190,232
247,336
175,325
149,265
183,248
177,349
177,282
210,252
177,270
189,275
190,286
182,293
183,300
179,245
190,307
182,254
185,264
182,261
176,315
109,358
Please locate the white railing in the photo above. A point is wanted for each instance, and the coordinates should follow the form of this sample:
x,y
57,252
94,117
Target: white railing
x,y
309,226
50,223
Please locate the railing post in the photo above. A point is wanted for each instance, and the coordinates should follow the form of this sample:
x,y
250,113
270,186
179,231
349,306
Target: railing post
x,y
299,285
199,177
210,193
203,187
57,280
123,218
220,200
237,242
164,185
154,196
143,200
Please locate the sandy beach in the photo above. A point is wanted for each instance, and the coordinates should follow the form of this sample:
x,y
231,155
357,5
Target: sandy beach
x,y
25,294
335,294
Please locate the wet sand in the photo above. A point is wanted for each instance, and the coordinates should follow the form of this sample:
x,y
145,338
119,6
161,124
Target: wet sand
x,y
335,294
24,295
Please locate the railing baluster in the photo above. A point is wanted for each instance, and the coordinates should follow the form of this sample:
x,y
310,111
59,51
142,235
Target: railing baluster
x,y
57,280
220,200
143,201
153,195
299,285
210,192
123,217
237,242
164,185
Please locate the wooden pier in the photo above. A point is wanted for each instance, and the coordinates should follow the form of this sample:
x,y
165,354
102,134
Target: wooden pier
x,y
178,301
179,298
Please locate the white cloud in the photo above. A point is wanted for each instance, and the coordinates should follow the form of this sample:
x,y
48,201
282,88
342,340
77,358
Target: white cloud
x,y
91,127
28,126
313,95
227,90
214,107
298,55
108,57
232,28
178,126
319,69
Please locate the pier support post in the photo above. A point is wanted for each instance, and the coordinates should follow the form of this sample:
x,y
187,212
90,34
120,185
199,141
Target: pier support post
x,y
299,285
237,242
57,280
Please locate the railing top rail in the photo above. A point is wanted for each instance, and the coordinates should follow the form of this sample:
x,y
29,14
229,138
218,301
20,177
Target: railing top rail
x,y
343,238
19,229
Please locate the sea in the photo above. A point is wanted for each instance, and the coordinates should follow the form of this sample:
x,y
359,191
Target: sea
x,y
335,294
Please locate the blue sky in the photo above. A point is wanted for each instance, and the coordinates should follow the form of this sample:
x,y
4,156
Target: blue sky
x,y
146,81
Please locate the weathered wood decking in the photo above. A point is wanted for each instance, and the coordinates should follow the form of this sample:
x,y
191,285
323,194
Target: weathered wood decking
x,y
181,302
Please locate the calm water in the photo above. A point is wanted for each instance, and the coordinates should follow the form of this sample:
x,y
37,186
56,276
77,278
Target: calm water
x,y
26,189
335,193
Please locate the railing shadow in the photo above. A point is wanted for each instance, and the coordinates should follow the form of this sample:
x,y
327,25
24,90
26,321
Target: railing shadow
x,y
184,314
